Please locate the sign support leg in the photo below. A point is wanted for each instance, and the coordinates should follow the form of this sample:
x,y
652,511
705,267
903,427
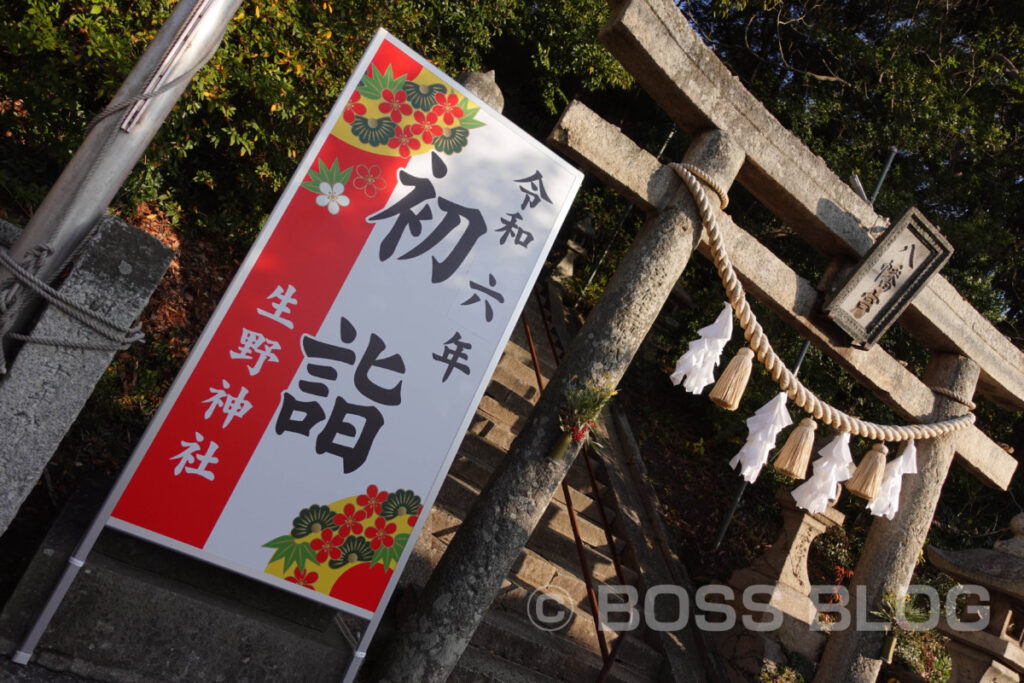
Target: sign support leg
x,y
75,562
359,656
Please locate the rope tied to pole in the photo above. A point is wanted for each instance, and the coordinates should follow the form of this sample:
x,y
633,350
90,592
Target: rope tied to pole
x,y
803,397
117,338
36,259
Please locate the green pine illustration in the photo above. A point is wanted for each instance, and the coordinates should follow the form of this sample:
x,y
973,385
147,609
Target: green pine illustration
x,y
327,174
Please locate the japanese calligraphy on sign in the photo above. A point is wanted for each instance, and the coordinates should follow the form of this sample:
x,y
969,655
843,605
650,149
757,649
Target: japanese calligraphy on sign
x,y
308,433
889,277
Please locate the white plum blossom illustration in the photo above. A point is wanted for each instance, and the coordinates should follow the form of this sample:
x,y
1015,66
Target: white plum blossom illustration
x,y
328,183
332,196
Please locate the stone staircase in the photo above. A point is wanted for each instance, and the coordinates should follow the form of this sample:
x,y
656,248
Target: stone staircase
x,y
550,560
142,613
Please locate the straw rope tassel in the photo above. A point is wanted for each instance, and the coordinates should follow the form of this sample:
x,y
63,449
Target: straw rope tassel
x,y
867,479
729,389
801,396
796,453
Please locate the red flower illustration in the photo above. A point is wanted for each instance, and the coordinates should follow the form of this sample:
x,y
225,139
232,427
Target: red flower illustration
x,y
426,126
372,500
350,521
447,107
305,579
353,108
414,518
327,545
380,534
404,141
368,179
395,104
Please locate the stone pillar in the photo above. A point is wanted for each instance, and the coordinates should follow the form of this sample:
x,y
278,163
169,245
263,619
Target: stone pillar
x,y
784,567
480,556
992,654
893,547
47,386
974,665
483,85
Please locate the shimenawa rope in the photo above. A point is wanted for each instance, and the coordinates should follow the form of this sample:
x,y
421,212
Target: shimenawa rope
x,y
759,343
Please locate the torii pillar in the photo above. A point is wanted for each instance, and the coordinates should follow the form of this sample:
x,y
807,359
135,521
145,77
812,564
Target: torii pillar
x,y
892,549
470,573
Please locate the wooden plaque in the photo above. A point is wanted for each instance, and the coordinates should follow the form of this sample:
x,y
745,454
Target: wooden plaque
x,y
889,277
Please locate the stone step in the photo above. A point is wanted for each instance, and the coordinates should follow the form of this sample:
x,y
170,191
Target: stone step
x,y
487,454
477,460
586,505
33,673
457,497
578,471
521,347
518,601
513,384
191,621
532,573
529,573
547,652
552,538
495,434
500,437
479,666
518,350
470,470
500,414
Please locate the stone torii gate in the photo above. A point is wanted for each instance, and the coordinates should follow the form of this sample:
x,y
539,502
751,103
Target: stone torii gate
x,y
732,133
653,41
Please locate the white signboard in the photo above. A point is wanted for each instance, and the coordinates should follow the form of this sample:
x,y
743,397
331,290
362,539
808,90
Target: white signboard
x,y
310,430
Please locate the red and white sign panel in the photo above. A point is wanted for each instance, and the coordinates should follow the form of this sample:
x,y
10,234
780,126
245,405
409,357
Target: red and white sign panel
x,y
311,427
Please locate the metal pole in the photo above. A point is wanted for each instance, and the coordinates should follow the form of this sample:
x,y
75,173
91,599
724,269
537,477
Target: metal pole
x,y
75,562
740,489
81,195
113,143
885,172
359,656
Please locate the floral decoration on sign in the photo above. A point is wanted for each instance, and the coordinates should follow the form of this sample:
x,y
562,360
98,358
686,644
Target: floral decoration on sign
x,y
391,114
369,180
347,549
329,185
